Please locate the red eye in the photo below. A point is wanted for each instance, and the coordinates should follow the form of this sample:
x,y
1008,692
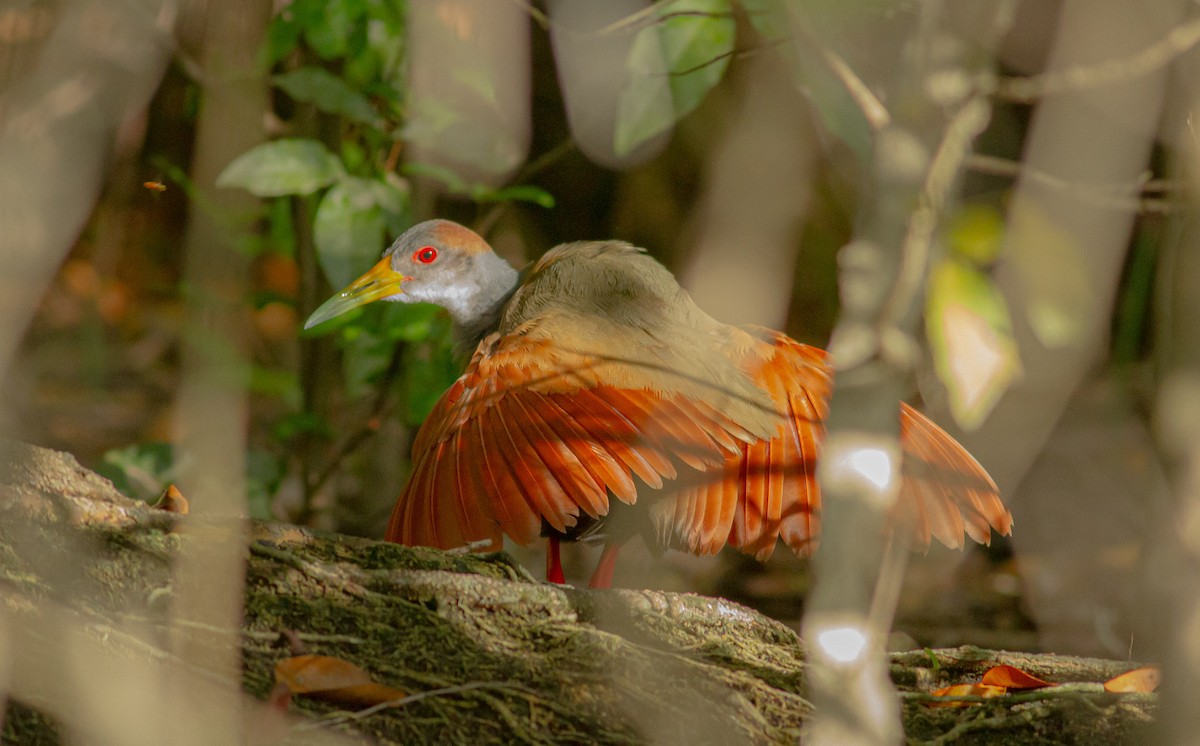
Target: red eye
x,y
425,255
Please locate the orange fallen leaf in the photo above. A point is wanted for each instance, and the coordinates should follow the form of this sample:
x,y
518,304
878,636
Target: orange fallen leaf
x,y
966,690
172,501
1143,679
1012,677
333,680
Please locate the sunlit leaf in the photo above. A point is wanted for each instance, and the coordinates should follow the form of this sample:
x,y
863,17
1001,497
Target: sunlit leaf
x,y
1012,678
971,340
289,166
966,690
1145,679
327,92
1052,268
348,230
688,43
976,233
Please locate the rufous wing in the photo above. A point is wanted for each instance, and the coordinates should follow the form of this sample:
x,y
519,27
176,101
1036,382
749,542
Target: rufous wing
x,y
530,434
767,490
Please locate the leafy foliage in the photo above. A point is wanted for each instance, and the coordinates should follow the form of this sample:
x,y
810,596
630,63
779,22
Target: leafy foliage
x,y
689,42
967,320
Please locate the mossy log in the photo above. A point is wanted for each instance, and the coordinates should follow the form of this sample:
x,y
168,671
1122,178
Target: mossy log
x,y
489,654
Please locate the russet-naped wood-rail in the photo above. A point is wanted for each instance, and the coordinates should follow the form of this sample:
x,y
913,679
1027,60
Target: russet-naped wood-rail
x,y
595,376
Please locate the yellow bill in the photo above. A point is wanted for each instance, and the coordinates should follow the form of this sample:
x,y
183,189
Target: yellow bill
x,y
381,281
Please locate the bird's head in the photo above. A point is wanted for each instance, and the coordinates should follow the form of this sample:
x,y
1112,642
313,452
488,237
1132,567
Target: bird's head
x,y
437,261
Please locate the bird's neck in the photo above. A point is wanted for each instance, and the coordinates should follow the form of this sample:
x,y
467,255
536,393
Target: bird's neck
x,y
476,310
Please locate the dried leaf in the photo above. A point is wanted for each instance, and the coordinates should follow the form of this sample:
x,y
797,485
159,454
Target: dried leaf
x,y
172,501
305,674
966,690
1012,678
1143,679
333,680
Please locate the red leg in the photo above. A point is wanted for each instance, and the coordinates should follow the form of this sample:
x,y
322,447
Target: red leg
x,y
554,571
602,578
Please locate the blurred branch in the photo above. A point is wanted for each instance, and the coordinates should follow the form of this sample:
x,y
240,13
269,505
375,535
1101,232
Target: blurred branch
x,y
947,163
1178,40
872,108
212,406
1116,196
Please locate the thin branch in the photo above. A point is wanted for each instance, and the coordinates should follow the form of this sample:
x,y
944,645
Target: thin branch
x,y
1178,40
943,171
538,16
531,169
1117,196
868,103
373,709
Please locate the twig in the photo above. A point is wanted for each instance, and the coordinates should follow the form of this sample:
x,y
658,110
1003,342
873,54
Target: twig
x,y
1120,196
1108,72
995,722
373,709
538,16
531,169
952,152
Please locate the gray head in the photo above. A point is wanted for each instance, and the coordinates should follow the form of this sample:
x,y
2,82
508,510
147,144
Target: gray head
x,y
439,262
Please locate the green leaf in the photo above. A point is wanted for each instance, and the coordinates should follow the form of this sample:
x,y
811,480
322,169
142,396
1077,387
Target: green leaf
x,y
328,93
302,423
975,233
275,382
453,182
689,43
410,322
290,166
348,230
696,48
392,194
970,335
1053,271
282,36
329,33
519,193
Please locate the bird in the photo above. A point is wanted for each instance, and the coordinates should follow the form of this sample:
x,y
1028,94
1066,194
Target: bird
x,y
601,403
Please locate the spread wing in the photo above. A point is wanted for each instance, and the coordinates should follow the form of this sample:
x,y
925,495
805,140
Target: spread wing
x,y
534,431
767,490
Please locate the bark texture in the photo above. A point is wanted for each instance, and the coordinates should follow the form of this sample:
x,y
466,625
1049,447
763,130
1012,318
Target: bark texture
x,y
523,661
